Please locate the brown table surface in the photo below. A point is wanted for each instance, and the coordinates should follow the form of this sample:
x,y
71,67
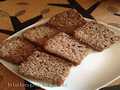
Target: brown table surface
x,y
31,8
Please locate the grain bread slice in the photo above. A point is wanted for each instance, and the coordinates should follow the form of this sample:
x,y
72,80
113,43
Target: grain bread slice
x,y
46,68
67,21
16,50
67,47
96,35
39,34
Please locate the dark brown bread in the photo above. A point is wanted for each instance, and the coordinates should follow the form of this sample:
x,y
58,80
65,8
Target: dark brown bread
x,y
39,34
46,68
96,35
65,46
10,81
67,21
15,50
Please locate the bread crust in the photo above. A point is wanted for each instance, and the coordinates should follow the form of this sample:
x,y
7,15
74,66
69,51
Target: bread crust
x,y
96,35
67,47
46,68
67,21
39,34
16,50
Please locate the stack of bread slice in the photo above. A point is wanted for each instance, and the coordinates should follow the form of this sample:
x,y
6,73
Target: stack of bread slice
x,y
48,52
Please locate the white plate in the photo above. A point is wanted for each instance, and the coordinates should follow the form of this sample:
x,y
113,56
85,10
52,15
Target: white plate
x,y
109,83
96,69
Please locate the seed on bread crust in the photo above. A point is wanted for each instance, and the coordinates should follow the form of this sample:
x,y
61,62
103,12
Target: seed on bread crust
x,y
16,50
39,34
46,68
96,35
67,21
67,47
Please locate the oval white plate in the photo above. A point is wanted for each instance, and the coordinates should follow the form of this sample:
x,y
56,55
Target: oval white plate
x,y
96,69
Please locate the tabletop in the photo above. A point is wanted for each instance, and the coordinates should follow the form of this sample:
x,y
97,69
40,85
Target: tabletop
x,y
22,13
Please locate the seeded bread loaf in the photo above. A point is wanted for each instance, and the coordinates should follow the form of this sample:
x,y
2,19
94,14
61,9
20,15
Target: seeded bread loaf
x,y
15,50
39,34
96,35
67,21
65,46
46,68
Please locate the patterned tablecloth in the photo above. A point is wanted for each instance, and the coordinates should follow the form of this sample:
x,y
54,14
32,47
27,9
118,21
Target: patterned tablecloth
x,y
18,14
